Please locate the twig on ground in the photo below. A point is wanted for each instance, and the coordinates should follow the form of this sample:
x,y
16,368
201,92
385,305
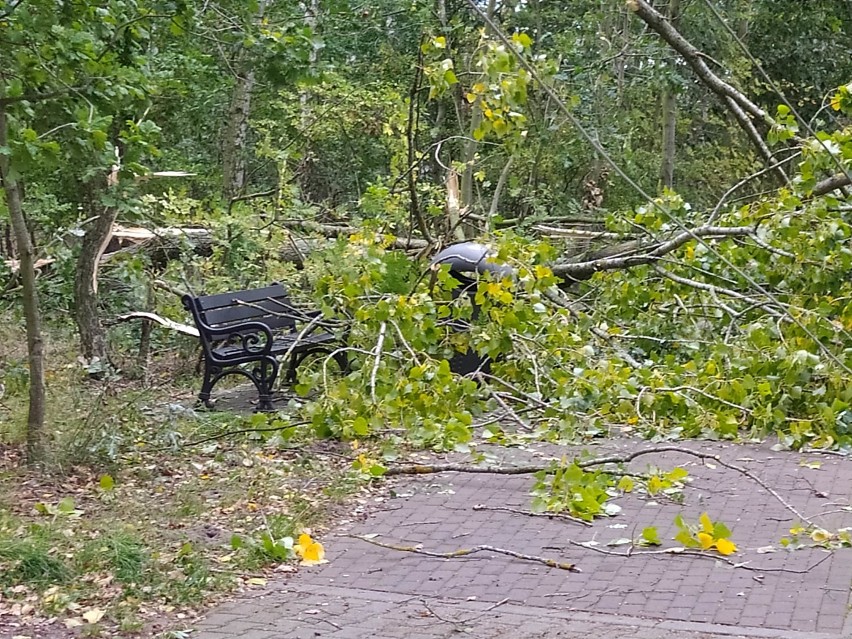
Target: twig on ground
x,y
227,433
530,513
687,552
464,552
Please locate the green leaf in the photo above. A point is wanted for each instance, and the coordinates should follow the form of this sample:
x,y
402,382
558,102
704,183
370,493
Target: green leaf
x,y
721,531
360,426
686,539
677,474
106,482
651,536
65,505
625,484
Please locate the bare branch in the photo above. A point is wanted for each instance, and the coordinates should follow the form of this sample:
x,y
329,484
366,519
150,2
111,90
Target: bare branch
x,y
646,254
464,552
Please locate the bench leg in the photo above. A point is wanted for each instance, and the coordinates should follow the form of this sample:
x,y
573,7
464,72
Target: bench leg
x,y
264,376
210,375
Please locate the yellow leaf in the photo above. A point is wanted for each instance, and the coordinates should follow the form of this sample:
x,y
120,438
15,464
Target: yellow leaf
x,y
706,523
310,551
725,546
706,540
471,98
542,271
94,615
257,581
655,485
440,42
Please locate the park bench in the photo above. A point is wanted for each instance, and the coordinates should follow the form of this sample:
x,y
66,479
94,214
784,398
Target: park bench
x,y
248,332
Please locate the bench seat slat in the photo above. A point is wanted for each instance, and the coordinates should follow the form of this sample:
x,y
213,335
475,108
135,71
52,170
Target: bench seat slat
x,y
271,312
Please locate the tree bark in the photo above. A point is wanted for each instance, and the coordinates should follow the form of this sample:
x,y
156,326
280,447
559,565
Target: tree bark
x,y
32,314
92,334
235,138
669,108
236,131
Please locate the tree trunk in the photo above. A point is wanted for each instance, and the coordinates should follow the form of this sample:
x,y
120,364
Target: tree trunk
x,y
311,21
236,131
235,138
92,334
32,315
669,107
470,145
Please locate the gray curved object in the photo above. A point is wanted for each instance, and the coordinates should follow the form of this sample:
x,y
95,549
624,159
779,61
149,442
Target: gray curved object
x,y
471,257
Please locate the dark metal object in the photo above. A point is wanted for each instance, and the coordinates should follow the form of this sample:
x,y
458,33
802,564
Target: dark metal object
x,y
467,261
254,327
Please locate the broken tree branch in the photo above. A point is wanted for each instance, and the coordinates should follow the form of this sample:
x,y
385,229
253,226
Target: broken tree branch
x,y
646,254
730,96
418,469
464,552
530,513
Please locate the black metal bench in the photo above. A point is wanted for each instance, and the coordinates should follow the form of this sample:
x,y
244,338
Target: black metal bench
x,y
246,332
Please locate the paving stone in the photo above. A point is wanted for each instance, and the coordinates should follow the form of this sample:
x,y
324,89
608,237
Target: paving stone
x,y
371,591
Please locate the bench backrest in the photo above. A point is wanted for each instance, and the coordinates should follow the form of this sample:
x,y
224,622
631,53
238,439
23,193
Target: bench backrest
x,y
270,305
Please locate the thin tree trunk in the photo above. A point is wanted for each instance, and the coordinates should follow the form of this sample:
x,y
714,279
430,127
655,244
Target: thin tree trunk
x,y
470,145
236,131
669,108
92,334
311,21
498,191
32,315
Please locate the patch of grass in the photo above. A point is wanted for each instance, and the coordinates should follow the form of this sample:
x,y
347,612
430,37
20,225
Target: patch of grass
x,y
121,553
30,562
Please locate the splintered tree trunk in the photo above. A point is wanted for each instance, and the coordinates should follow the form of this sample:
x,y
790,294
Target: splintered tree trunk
x,y
32,315
669,109
236,132
92,334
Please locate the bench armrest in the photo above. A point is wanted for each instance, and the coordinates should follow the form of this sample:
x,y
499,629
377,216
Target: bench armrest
x,y
255,337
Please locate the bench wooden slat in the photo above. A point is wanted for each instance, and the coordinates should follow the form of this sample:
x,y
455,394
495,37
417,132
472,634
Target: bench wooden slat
x,y
269,311
219,300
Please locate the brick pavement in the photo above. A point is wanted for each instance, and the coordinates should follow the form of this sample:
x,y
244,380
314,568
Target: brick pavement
x,y
367,591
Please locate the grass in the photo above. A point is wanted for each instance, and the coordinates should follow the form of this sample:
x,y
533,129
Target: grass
x,y
155,540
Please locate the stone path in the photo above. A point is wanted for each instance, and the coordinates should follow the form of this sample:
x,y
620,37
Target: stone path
x,y
368,591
